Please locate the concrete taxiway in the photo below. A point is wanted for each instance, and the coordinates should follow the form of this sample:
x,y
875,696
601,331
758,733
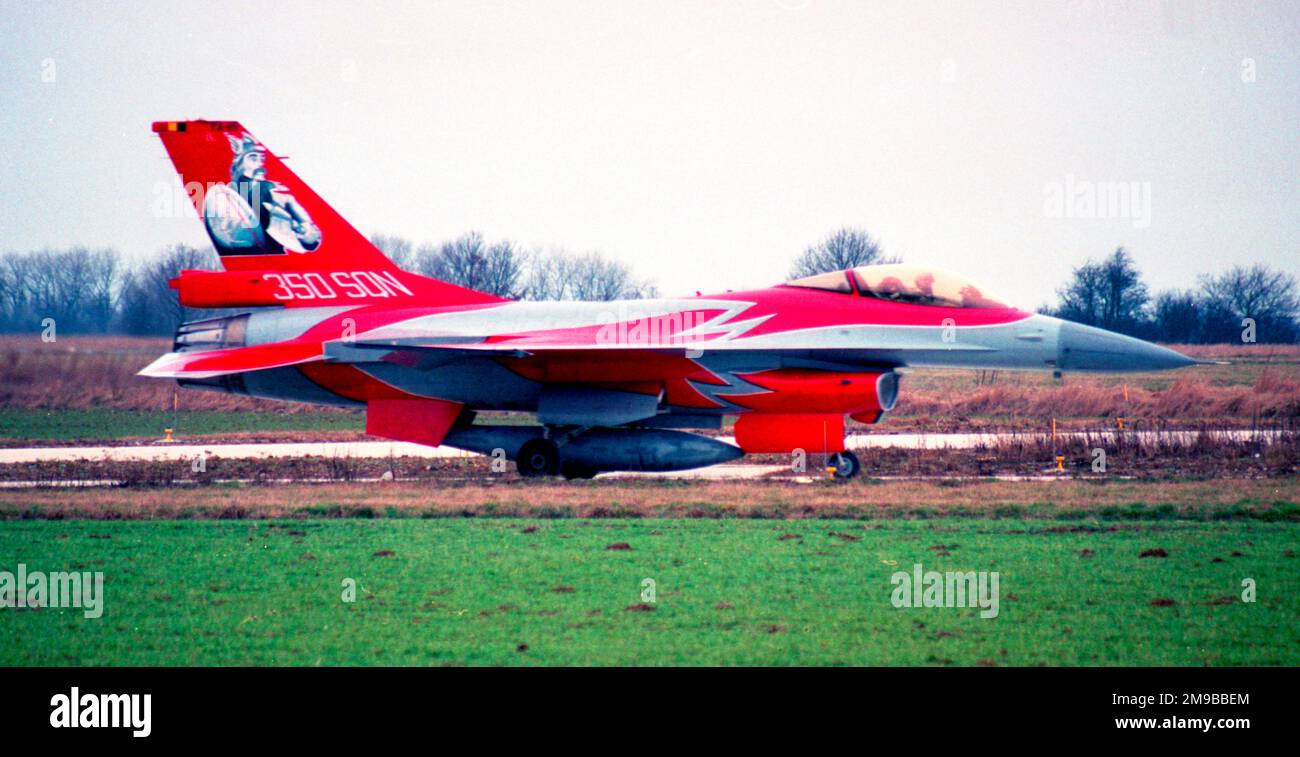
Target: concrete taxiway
x,y
381,449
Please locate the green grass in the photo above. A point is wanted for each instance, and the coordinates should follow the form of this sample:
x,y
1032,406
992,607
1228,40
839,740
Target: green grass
x,y
471,591
111,424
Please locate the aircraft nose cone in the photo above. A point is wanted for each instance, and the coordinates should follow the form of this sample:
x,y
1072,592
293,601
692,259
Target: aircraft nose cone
x,y
1086,348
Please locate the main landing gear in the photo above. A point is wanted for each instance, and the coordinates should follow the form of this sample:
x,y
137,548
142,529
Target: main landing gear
x,y
538,457
541,457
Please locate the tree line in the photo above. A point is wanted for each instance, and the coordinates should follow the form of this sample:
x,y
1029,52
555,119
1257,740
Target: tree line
x,y
1254,303
507,269
85,290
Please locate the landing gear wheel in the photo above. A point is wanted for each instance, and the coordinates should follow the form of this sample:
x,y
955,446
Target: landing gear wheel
x,y
538,457
573,470
846,464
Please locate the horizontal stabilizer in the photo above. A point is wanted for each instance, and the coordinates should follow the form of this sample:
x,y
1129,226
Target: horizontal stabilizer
x,y
209,363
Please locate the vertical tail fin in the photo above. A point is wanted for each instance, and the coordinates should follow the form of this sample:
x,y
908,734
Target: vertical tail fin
x,y
262,218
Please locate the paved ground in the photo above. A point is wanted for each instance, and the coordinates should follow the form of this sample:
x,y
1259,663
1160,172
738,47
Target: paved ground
x,y
183,451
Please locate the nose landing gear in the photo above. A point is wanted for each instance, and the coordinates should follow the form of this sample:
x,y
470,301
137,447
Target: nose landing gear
x,y
845,463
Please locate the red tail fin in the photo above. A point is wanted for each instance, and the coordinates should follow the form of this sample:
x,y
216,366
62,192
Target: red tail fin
x,y
263,219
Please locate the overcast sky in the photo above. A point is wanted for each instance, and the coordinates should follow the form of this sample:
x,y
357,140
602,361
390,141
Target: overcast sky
x,y
704,143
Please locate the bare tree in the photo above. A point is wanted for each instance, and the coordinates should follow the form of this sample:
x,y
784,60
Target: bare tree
x,y
77,287
548,276
100,273
398,249
471,262
1177,317
149,304
1109,294
1260,293
560,275
15,292
846,248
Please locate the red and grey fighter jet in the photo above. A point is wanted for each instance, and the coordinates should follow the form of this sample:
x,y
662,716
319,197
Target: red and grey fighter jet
x,y
610,382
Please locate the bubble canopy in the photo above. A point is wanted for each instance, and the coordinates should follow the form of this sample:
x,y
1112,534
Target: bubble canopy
x,y
900,282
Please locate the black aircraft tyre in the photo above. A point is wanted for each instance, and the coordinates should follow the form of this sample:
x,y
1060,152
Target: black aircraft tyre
x,y
846,464
538,457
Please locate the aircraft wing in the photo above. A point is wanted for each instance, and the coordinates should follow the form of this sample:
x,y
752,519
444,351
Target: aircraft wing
x,y
428,352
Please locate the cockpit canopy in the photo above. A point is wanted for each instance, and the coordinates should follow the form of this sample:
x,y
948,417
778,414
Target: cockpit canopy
x,y
899,282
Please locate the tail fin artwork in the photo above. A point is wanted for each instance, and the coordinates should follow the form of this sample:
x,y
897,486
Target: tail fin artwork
x,y
279,242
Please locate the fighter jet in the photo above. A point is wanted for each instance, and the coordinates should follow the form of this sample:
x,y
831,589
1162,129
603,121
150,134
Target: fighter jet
x,y
612,384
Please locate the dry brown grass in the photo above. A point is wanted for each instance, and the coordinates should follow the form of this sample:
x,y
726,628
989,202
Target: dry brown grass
x,y
1289,352
754,499
1189,400
91,371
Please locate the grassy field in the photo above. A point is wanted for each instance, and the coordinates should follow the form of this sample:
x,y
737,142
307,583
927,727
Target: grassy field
x,y
1064,501
569,591
107,423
